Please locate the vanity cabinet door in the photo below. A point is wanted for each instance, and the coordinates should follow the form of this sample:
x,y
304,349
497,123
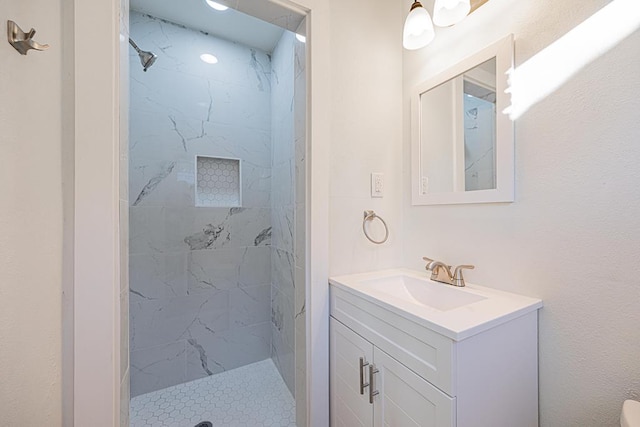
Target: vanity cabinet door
x,y
349,408
405,399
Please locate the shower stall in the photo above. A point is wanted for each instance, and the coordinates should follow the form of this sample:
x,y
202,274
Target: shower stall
x,y
217,218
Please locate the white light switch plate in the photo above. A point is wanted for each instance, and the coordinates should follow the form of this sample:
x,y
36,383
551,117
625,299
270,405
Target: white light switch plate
x,y
377,185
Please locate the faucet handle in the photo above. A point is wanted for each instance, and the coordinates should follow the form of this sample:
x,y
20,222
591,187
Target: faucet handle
x,y
458,279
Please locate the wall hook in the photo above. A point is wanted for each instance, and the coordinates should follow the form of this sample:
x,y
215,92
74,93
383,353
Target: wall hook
x,y
21,41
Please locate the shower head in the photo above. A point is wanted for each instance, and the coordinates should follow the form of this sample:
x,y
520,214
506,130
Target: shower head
x,y
147,59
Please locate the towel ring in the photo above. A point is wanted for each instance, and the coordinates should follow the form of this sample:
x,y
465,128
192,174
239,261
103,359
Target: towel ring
x,y
370,216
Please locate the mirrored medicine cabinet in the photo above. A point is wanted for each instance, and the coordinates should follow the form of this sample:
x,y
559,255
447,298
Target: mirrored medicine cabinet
x,y
462,142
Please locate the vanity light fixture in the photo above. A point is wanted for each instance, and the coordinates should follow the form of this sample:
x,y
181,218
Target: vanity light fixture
x,y
450,12
217,6
208,58
418,28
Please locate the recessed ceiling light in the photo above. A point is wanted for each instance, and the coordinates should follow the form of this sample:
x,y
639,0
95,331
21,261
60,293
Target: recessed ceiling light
x,y
301,38
208,58
217,6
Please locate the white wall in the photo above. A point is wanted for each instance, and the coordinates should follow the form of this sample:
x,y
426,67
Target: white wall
x,y
366,58
31,220
571,237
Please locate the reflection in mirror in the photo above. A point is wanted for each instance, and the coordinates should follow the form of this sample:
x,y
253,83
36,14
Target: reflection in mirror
x,y
458,137
480,127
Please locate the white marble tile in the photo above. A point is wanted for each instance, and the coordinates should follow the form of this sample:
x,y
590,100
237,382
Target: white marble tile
x,y
283,357
161,136
169,230
217,228
256,186
283,225
249,305
203,101
145,223
212,352
157,367
281,182
157,276
182,95
252,145
300,57
162,183
163,321
282,203
228,268
282,271
253,395
269,12
283,317
300,168
299,235
179,50
125,400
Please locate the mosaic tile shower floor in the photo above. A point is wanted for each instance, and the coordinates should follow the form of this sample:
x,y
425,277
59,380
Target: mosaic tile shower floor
x,y
253,395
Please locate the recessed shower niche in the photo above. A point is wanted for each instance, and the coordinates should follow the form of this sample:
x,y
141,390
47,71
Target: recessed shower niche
x,y
218,182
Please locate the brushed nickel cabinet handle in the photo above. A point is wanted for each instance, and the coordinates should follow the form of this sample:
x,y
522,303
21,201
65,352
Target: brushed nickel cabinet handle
x,y
362,383
372,393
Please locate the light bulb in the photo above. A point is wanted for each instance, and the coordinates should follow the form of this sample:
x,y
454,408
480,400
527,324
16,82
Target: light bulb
x,y
208,58
418,28
450,12
217,6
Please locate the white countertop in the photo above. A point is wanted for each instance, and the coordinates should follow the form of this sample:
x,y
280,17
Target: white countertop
x,y
496,308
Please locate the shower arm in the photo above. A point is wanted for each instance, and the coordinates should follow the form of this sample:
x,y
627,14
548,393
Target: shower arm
x,y
135,46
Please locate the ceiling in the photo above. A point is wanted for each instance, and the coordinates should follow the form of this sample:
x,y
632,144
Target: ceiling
x,y
229,24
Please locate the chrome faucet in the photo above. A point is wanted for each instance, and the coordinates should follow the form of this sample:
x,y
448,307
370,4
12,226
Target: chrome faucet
x,y
440,272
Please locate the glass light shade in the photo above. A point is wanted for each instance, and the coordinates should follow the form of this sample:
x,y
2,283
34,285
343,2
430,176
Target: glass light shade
x,y
418,29
450,12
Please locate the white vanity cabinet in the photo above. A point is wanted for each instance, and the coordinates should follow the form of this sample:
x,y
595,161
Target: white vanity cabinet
x,y
402,398
415,376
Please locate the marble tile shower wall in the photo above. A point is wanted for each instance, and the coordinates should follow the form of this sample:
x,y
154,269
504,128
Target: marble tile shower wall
x,y
300,149
283,210
200,278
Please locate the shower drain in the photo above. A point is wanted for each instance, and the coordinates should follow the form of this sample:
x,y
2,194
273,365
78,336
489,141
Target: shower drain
x,y
204,424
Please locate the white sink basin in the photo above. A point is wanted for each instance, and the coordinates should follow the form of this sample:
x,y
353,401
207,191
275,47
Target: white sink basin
x,y
457,313
435,295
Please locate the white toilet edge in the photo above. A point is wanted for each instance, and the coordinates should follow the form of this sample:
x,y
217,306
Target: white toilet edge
x,y
630,416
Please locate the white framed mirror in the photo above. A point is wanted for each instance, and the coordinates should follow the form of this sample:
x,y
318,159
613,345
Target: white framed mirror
x,y
462,144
